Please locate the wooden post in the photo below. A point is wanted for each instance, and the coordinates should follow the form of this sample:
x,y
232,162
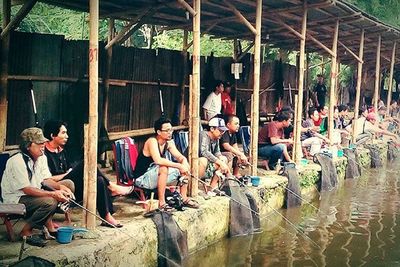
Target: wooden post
x,y
256,90
5,43
358,87
377,73
85,173
299,110
91,167
333,81
182,109
307,81
389,97
107,73
194,104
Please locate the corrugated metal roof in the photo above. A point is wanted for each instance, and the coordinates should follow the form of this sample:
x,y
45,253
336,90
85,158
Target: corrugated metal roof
x,y
220,21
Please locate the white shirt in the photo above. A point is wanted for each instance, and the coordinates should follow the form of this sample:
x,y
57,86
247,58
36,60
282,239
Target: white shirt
x,y
212,105
16,177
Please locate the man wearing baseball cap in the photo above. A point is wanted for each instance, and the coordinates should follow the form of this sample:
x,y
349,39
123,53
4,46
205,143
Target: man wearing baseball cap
x,y
210,156
22,182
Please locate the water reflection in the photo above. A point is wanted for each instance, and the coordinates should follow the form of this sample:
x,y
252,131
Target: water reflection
x,y
355,225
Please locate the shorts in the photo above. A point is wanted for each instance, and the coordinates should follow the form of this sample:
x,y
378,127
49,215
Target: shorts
x,y
209,173
150,178
231,158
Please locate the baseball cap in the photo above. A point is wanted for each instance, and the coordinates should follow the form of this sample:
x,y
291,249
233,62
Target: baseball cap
x,y
34,135
217,123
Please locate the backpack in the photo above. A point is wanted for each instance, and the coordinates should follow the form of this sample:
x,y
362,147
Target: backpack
x,y
125,155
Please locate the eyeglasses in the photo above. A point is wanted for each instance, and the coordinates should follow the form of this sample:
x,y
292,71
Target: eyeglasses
x,y
167,130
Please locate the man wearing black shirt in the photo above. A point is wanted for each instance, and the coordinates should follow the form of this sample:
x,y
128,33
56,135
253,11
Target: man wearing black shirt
x,y
228,144
320,91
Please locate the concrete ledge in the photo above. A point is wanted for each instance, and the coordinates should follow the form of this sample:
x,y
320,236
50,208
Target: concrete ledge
x,y
136,243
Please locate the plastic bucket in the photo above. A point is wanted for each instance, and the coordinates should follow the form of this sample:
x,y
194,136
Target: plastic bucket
x,y
64,235
255,180
304,162
340,153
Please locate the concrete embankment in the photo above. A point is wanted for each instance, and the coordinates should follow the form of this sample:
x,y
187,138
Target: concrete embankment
x,y
136,243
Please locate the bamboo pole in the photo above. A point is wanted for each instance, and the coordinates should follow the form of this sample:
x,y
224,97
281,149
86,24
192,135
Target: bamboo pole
x,y
333,81
299,111
182,109
194,116
21,14
91,167
107,73
5,45
377,73
256,90
307,81
389,97
85,173
358,87
296,145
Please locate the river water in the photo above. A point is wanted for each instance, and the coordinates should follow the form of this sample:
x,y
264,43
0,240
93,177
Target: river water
x,y
357,224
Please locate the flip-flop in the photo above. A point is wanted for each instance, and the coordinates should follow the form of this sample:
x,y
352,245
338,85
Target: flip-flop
x,y
191,203
36,241
118,225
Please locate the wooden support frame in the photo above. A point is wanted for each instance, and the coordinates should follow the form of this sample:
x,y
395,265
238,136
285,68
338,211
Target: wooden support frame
x,y
244,52
90,169
132,26
283,24
332,91
240,16
187,7
358,86
299,111
182,109
106,84
194,102
377,73
256,90
350,51
389,97
5,45
330,52
21,14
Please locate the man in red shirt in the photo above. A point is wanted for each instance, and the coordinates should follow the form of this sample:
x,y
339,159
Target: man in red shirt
x,y
271,142
227,108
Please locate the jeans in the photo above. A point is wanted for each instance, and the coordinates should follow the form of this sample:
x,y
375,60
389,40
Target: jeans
x,y
272,152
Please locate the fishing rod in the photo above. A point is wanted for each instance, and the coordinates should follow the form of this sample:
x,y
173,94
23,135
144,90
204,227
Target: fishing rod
x,y
257,213
34,104
161,98
48,187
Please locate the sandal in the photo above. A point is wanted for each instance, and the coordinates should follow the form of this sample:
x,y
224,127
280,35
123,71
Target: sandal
x,y
36,241
110,225
191,203
165,207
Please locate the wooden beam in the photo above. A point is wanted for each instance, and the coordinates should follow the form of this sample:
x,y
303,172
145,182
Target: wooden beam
x,y
389,98
187,7
91,146
245,52
256,90
241,18
332,91
358,86
350,52
377,73
182,110
298,115
296,33
106,78
194,102
5,46
21,14
132,26
309,36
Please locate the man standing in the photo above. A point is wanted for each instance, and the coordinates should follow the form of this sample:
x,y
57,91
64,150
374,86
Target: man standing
x,y
227,108
320,91
229,146
153,170
22,183
271,141
213,104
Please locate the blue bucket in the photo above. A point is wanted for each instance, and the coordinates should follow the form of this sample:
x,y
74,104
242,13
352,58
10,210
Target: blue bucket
x,y
64,234
255,180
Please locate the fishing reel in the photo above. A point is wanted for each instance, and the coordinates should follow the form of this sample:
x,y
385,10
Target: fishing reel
x,y
175,201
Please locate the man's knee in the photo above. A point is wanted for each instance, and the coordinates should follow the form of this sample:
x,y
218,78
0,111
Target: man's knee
x,y
49,203
68,183
280,147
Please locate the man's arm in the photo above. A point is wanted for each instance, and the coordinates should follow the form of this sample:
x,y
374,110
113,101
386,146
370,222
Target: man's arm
x,y
36,192
276,140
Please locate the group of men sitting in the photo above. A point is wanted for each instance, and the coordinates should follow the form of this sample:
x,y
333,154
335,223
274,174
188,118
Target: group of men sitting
x,y
43,163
